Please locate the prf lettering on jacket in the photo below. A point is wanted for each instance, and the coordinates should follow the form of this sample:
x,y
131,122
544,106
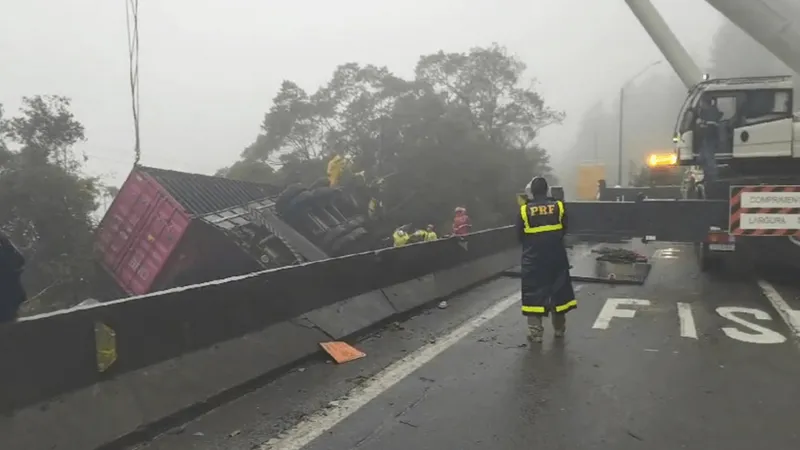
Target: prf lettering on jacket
x,y
543,210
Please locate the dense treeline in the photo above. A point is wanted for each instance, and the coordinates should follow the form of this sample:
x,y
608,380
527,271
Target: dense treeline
x,y
46,203
461,132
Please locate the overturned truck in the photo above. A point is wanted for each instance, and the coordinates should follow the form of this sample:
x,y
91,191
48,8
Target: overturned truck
x,y
167,228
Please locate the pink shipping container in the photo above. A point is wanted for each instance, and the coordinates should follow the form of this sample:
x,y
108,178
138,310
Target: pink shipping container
x,y
152,237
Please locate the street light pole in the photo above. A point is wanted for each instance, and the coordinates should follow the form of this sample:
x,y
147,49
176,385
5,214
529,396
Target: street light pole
x,y
619,135
621,117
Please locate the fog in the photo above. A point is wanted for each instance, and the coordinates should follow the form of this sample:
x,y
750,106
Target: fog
x,y
208,70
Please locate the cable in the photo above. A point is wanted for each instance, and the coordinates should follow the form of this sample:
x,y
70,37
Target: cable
x,y
132,22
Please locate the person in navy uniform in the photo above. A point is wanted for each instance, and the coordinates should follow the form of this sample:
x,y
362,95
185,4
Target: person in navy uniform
x,y
546,282
12,294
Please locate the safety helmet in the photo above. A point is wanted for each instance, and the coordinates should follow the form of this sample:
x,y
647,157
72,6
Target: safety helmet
x,y
430,227
461,209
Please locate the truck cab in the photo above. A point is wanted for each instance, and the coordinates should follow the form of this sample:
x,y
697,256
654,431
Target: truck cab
x,y
745,118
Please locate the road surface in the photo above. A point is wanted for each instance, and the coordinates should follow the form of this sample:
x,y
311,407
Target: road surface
x,y
687,361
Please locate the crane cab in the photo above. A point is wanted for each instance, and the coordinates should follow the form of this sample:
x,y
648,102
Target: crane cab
x,y
741,119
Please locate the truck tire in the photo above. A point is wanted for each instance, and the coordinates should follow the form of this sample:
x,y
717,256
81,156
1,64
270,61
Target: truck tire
x,y
341,230
707,261
322,195
291,191
340,245
300,200
321,182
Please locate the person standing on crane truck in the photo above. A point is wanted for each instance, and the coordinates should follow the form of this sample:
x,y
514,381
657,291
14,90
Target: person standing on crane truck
x,y
546,282
708,119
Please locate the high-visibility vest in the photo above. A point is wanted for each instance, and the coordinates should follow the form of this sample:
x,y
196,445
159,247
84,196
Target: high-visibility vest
x,y
541,217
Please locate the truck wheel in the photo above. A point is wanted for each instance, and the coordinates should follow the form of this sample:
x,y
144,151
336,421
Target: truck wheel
x,y
291,191
300,199
321,182
323,194
339,231
341,244
707,261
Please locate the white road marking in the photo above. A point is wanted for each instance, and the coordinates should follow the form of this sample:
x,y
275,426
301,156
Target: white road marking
x,y
611,309
667,253
686,318
305,432
762,335
790,316
319,423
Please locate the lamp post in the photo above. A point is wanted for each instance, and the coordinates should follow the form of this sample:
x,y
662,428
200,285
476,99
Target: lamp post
x,y
621,115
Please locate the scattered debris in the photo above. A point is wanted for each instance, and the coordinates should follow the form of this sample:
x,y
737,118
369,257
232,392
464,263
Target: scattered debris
x,y
234,433
443,304
409,424
342,352
301,369
199,433
619,255
634,436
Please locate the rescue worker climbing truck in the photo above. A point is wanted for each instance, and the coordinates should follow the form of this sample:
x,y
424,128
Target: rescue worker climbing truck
x,y
741,140
546,282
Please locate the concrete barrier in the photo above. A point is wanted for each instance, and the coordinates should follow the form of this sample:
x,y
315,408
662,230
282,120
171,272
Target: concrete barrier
x,y
190,345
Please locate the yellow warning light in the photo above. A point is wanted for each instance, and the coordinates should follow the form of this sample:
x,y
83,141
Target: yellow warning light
x,y
662,159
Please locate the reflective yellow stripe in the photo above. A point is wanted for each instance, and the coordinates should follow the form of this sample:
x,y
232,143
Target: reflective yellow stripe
x,y
568,305
523,210
560,211
540,309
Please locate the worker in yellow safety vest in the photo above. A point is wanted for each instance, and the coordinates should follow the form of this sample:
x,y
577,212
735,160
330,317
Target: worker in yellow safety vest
x,y
335,168
400,237
430,234
546,282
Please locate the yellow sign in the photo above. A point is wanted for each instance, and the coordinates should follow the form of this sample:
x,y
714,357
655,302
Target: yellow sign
x,y
105,340
588,176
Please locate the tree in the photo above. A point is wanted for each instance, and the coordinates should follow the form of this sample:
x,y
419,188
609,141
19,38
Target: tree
x,y
486,82
248,170
465,122
47,202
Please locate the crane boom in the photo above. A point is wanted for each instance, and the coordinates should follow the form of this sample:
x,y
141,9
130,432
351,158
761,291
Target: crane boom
x,y
677,56
775,24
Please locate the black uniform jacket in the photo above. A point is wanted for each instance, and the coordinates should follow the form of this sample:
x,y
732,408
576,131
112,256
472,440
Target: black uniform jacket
x,y
12,294
546,283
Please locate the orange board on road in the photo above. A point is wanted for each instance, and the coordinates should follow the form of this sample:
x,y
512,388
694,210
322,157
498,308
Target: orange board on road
x,y
342,352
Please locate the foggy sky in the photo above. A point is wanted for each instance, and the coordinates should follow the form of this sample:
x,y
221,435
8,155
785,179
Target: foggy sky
x,y
208,69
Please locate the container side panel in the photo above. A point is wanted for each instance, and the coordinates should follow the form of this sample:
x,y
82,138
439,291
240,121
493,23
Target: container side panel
x,y
160,233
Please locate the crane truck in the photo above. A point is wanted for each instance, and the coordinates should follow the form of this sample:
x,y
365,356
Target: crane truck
x,y
744,191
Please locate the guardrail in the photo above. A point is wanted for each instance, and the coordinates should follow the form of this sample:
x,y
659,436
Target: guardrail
x,y
82,378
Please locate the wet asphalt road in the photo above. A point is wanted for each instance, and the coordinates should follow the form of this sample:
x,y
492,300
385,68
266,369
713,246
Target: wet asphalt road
x,y
732,381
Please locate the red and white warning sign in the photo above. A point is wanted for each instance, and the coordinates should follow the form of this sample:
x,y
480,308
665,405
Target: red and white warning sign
x,y
765,210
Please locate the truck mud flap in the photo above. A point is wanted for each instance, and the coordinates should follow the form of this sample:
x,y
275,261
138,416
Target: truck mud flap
x,y
661,220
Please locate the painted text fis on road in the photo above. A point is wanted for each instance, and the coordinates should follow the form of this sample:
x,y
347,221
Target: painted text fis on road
x,y
746,331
